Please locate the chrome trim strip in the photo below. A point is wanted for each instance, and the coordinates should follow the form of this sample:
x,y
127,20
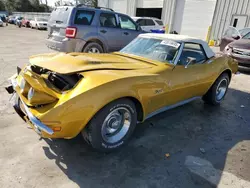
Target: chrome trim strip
x,y
179,54
36,122
171,107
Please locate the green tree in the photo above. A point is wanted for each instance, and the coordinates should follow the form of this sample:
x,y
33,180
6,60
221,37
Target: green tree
x,y
93,3
23,6
2,5
10,5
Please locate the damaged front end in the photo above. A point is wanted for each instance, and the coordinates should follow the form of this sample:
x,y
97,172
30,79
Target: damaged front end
x,y
36,91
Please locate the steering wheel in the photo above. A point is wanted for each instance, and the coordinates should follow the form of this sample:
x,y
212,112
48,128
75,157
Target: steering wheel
x,y
167,54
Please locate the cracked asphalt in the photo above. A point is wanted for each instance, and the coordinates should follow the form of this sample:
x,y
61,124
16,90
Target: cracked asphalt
x,y
191,146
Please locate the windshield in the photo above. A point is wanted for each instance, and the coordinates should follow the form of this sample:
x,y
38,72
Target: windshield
x,y
156,49
60,15
247,36
244,31
42,19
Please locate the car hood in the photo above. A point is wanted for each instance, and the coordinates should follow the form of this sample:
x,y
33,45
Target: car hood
x,y
241,43
80,62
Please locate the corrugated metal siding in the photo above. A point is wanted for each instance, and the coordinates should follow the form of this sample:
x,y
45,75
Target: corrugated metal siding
x,y
167,12
224,11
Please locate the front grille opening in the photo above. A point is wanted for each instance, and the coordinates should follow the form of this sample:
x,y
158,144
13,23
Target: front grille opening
x,y
244,64
38,70
64,82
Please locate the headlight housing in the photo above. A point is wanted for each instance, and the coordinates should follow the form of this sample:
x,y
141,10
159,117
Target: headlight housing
x,y
31,94
228,50
24,86
22,83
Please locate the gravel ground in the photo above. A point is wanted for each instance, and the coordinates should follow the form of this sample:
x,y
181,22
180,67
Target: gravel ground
x,y
192,146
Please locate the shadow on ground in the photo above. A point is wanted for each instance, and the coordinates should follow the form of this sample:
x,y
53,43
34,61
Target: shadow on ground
x,y
214,134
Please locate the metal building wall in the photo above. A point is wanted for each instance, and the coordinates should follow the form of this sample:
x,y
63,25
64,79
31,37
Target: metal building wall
x,y
224,11
197,17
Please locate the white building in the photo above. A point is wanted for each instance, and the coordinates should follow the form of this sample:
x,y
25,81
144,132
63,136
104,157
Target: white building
x,y
190,17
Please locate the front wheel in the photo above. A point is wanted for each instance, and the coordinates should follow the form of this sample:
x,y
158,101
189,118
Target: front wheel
x,y
112,126
218,90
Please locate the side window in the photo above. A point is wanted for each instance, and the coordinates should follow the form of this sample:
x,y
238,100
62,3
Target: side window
x,y
108,20
141,22
194,51
149,22
84,17
126,23
159,22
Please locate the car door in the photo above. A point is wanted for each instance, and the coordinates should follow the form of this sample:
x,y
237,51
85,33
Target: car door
x,y
109,31
190,80
129,29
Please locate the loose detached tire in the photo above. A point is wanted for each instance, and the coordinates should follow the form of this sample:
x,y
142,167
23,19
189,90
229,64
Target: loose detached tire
x,y
217,92
104,133
93,47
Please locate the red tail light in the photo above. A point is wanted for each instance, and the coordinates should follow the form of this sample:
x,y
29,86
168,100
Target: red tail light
x,y
71,32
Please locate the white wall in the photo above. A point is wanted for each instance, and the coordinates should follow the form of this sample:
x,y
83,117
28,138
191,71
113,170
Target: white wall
x,y
197,17
119,5
150,3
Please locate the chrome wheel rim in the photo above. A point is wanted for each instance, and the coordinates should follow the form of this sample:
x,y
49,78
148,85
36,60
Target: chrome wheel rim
x,y
221,89
93,50
116,125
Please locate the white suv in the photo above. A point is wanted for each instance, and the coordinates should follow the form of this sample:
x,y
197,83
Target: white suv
x,y
148,24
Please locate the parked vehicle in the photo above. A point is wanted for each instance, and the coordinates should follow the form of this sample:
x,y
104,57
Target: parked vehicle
x,y
26,22
18,20
1,23
87,29
150,24
39,23
236,43
103,96
3,18
11,20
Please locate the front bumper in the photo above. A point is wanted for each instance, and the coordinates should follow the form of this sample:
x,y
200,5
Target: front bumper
x,y
25,113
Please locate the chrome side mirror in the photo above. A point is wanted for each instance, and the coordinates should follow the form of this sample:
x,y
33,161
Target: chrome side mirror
x,y
190,61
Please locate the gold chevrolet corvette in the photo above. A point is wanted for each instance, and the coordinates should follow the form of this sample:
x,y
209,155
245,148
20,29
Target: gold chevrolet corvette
x,y
104,96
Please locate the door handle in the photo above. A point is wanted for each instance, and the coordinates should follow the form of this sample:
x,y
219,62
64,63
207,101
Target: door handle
x,y
103,31
125,33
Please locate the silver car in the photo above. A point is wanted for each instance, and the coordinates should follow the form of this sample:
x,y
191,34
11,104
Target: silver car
x,y
1,23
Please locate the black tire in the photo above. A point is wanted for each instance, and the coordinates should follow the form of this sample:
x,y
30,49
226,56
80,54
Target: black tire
x,y
211,97
92,45
92,133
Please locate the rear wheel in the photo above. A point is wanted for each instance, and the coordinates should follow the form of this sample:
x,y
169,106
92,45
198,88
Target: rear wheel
x,y
218,90
93,47
112,126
